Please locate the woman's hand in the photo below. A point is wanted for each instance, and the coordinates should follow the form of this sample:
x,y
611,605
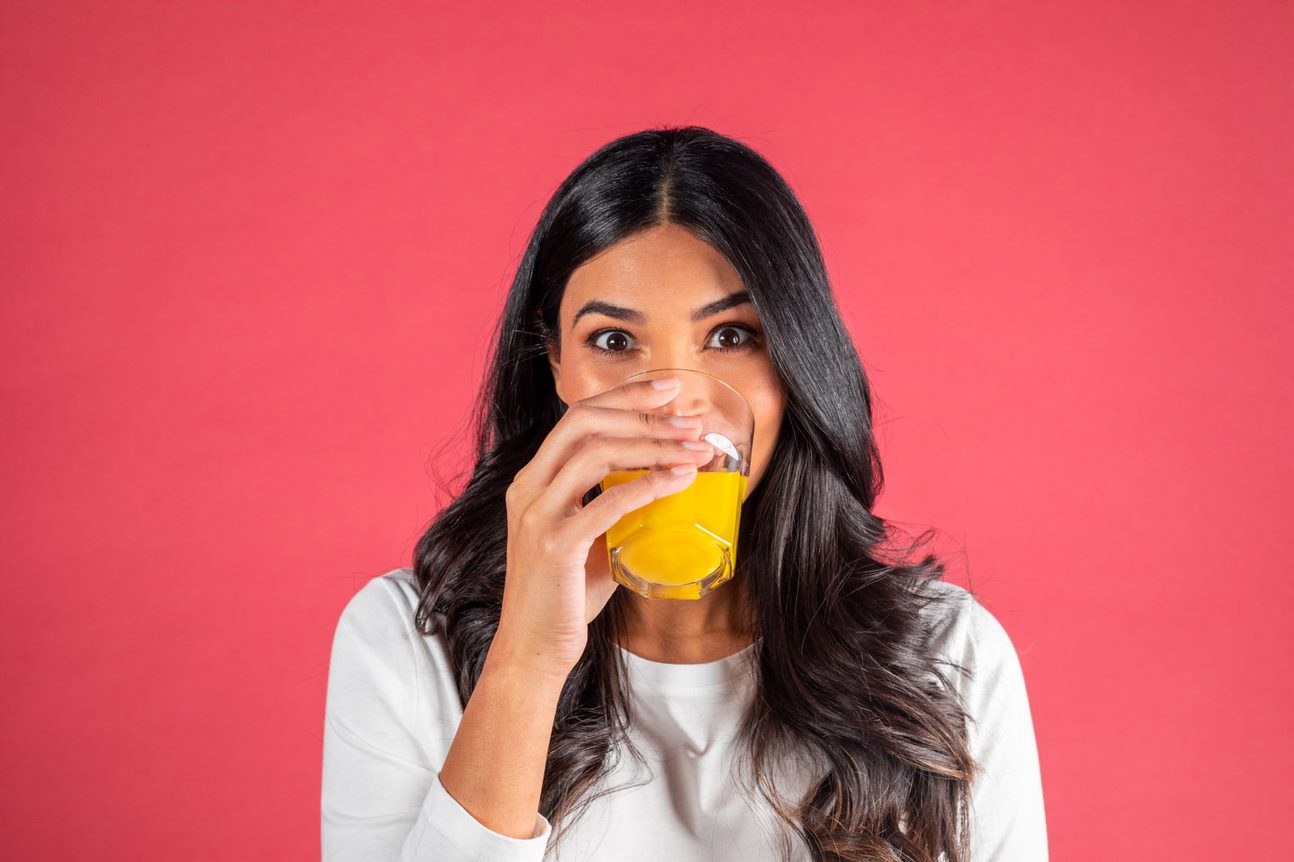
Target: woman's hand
x,y
554,588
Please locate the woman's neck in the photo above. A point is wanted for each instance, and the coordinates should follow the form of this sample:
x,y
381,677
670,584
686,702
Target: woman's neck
x,y
678,631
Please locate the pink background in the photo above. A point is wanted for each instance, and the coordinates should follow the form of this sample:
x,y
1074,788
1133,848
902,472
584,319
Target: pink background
x,y
251,255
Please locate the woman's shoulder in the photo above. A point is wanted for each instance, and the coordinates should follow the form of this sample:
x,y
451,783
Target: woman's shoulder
x,y
378,654
384,599
965,631
402,580
378,610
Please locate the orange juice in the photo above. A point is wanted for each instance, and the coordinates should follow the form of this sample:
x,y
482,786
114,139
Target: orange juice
x,y
680,546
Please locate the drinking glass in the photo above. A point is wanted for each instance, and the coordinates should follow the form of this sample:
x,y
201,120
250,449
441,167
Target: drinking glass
x,y
684,545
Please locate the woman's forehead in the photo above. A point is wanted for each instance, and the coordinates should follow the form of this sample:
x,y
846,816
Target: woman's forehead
x,y
657,262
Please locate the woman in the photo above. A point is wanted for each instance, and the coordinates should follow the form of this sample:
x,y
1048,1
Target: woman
x,y
504,700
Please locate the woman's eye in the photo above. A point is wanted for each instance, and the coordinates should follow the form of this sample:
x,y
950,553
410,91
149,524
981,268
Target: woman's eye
x,y
615,339
725,338
730,337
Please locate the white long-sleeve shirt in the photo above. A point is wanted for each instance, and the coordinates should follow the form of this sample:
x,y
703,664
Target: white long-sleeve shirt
x,y
392,711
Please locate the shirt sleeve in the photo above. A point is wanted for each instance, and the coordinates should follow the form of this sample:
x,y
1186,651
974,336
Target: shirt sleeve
x,y
381,796
1008,821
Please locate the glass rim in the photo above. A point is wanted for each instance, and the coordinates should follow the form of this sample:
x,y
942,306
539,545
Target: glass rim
x,y
713,377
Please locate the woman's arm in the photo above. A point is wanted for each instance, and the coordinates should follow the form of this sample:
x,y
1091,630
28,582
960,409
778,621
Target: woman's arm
x,y
391,719
495,767
383,795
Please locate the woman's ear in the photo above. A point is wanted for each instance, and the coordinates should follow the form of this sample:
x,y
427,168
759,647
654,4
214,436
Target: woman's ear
x,y
555,364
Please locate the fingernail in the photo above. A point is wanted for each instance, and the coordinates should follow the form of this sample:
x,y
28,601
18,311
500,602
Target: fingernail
x,y
697,445
684,421
683,469
664,383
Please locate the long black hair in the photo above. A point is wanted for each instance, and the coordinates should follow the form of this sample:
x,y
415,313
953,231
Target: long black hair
x,y
847,668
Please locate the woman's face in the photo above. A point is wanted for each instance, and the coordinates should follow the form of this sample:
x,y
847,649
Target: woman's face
x,y
657,281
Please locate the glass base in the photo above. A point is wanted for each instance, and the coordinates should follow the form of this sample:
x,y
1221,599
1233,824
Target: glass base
x,y
685,549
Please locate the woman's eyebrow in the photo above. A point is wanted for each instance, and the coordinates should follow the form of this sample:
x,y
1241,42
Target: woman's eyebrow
x,y
633,316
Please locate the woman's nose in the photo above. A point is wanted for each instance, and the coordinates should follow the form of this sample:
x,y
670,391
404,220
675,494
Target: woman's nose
x,y
694,397
687,404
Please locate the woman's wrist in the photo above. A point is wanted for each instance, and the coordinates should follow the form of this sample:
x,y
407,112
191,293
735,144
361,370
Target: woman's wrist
x,y
511,660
